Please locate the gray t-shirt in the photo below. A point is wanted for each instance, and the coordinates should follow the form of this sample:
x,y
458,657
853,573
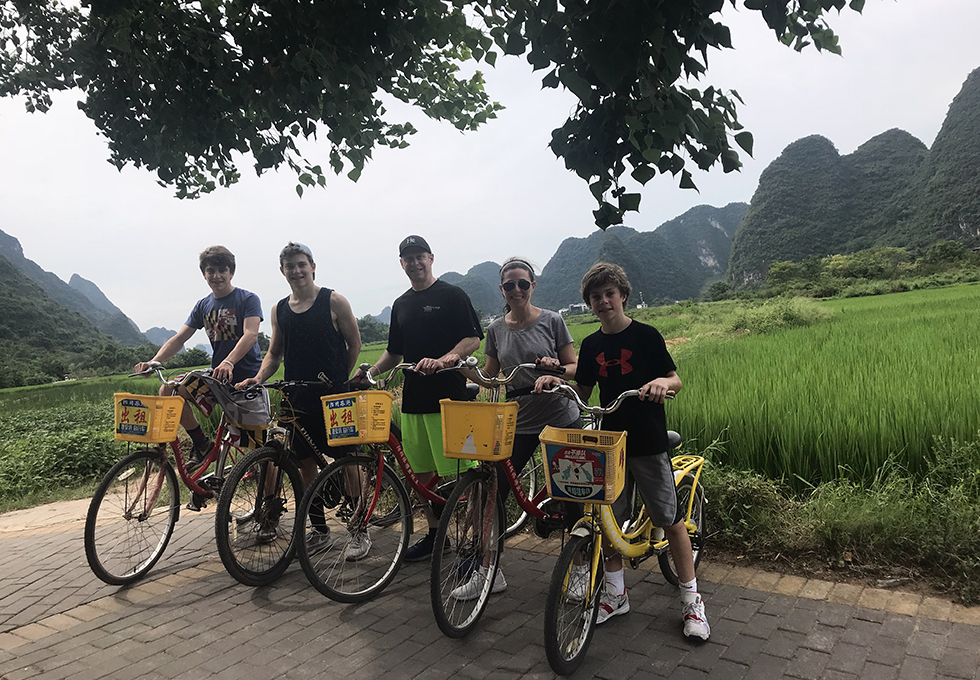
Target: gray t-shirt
x,y
543,338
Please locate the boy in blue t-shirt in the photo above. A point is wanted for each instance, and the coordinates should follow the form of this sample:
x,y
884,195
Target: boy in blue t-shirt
x,y
231,318
628,355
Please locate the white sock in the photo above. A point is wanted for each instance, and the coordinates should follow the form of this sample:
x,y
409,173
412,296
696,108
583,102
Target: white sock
x,y
690,587
616,580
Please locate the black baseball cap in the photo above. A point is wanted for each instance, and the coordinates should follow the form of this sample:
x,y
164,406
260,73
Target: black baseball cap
x,y
413,242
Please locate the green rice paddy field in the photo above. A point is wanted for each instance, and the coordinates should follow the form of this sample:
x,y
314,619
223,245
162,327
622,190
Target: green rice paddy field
x,y
874,384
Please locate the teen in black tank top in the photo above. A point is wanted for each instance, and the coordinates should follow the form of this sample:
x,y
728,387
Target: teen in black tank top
x,y
311,343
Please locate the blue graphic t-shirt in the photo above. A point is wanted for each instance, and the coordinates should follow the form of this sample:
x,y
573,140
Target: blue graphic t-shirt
x,y
223,319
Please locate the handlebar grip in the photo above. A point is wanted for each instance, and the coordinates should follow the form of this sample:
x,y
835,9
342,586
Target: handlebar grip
x,y
557,370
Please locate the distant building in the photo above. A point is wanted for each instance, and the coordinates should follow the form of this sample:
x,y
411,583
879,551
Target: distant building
x,y
577,308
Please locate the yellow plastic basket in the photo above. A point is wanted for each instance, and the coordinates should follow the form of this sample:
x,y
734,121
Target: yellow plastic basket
x,y
141,418
357,417
587,466
478,430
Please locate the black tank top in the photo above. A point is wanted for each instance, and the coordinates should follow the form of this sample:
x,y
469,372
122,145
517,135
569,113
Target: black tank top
x,y
311,344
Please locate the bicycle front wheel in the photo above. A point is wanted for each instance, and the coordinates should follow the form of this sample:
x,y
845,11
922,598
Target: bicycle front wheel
x,y
131,517
357,521
466,553
255,523
684,491
573,604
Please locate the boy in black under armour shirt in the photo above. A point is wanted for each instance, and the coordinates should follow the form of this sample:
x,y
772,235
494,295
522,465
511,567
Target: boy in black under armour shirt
x,y
628,355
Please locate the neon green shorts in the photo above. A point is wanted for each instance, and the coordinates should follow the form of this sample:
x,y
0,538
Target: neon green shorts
x,y
422,441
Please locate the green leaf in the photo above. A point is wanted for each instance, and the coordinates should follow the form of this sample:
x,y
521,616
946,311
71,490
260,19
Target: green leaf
x,y
576,84
857,5
354,174
643,174
687,182
299,190
744,140
629,202
491,58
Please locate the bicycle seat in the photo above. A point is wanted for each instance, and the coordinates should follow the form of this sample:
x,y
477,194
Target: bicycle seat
x,y
472,391
673,440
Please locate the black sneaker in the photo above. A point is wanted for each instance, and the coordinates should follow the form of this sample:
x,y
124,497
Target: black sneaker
x,y
268,530
422,549
197,454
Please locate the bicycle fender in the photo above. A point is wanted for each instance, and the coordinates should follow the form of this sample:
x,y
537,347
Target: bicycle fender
x,y
582,530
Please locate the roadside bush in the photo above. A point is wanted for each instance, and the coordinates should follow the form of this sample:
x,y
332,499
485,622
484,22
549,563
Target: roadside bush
x,y
751,513
45,462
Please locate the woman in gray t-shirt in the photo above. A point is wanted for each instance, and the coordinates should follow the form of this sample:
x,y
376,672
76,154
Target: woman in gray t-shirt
x,y
525,334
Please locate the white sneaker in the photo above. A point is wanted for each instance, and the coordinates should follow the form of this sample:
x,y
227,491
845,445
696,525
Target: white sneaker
x,y
578,583
474,585
359,546
695,621
611,604
317,541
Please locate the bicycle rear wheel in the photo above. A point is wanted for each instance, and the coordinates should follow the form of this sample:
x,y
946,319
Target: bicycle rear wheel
x,y
131,517
531,480
255,523
466,553
573,604
356,520
684,491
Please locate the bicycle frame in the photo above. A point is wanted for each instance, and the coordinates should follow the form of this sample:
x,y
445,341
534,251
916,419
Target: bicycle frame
x,y
639,542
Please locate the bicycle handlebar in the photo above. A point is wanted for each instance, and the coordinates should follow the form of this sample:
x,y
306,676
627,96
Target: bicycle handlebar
x,y
489,381
570,392
381,382
157,367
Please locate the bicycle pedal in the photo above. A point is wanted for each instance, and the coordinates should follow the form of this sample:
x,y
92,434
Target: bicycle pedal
x,y
197,502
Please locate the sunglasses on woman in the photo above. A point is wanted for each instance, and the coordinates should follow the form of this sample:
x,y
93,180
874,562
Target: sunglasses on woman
x,y
510,285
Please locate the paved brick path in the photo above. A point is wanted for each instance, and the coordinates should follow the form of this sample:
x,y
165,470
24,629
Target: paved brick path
x,y
189,619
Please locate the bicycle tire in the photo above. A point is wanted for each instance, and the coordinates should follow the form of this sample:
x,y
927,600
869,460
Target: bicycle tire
x,y
530,479
461,547
131,517
569,621
247,515
697,538
332,560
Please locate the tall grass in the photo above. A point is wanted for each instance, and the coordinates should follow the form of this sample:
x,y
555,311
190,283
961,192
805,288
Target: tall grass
x,y
840,398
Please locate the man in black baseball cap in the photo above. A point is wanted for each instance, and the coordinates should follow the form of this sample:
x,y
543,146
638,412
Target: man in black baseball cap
x,y
433,325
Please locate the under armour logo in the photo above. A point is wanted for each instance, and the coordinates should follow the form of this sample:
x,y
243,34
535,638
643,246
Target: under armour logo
x,y
622,362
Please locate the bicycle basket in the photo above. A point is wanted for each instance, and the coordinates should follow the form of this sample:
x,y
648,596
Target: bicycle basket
x,y
148,419
248,410
478,430
587,466
357,417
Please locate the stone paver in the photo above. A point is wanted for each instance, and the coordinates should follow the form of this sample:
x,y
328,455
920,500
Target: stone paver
x,y
188,619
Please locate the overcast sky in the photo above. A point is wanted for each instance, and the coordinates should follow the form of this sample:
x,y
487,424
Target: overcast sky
x,y
475,197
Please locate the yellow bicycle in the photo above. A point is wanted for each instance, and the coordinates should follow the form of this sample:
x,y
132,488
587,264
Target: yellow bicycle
x,y
573,596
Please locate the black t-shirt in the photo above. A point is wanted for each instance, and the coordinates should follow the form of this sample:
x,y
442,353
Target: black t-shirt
x,y
626,361
429,323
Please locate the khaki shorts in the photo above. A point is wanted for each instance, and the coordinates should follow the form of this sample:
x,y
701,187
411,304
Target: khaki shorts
x,y
654,479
